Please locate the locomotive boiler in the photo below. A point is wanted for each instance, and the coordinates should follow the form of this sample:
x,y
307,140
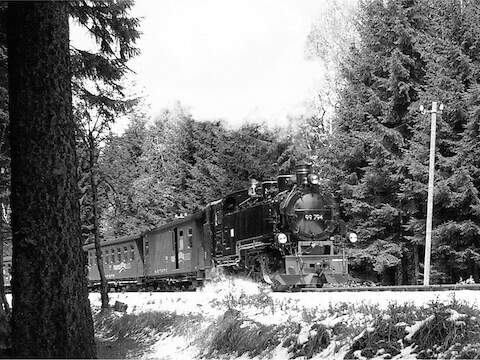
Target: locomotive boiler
x,y
287,232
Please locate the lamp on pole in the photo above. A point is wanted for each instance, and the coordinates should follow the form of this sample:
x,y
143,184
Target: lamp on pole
x,y
431,173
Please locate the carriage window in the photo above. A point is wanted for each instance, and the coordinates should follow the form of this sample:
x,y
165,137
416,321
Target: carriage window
x,y
146,247
125,253
106,257
132,253
327,250
190,238
180,240
113,256
119,255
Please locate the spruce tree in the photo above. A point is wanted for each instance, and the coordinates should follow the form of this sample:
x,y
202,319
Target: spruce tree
x,y
452,70
383,74
51,312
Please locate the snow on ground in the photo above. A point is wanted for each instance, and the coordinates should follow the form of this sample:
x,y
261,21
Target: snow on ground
x,y
258,303
216,297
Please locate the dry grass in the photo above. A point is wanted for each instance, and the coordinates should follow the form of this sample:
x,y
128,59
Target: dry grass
x,y
318,339
453,332
133,325
234,334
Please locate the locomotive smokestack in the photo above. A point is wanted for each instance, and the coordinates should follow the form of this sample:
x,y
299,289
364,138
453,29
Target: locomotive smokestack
x,y
302,172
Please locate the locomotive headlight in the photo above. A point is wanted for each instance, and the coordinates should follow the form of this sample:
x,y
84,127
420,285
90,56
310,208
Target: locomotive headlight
x,y
312,179
282,238
352,237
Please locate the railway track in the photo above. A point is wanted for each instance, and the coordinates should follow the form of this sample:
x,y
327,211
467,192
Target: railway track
x,y
400,288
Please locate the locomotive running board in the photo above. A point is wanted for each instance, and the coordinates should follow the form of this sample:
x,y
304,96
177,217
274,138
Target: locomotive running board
x,y
231,260
246,244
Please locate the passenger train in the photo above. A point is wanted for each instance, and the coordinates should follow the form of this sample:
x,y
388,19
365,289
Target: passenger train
x,y
286,232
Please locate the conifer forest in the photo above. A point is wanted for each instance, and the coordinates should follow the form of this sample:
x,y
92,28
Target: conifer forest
x,y
85,158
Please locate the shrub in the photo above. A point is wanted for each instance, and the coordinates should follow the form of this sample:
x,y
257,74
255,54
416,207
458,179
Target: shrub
x,y
386,334
133,325
453,330
234,334
318,339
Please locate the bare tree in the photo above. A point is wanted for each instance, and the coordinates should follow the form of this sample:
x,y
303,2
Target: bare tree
x,y
92,132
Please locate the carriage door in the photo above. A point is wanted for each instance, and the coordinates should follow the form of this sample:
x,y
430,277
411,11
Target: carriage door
x,y
175,246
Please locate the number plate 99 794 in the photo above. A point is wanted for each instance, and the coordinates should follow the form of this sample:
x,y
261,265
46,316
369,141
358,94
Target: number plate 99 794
x,y
313,217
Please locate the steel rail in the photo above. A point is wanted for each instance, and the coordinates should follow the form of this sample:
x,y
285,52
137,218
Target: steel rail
x,y
397,288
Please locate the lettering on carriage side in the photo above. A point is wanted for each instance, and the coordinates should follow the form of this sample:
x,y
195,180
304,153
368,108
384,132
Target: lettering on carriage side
x,y
122,266
160,271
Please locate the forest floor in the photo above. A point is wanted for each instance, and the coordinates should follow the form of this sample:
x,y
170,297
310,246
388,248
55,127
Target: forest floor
x,y
239,319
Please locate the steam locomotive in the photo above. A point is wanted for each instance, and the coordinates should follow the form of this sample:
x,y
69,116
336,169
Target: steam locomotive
x,y
286,232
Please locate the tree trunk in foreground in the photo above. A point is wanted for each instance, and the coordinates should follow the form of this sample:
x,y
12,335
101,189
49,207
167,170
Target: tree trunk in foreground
x,y
96,227
51,315
3,299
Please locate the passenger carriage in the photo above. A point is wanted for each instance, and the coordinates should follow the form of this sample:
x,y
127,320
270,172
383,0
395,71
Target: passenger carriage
x,y
177,254
122,262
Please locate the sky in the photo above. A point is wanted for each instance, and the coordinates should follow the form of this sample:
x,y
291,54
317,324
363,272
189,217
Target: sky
x,y
236,60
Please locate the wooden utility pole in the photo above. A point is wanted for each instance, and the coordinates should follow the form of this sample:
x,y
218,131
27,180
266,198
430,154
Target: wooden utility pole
x,y
431,174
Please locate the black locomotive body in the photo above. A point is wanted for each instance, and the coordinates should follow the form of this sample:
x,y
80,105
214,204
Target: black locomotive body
x,y
287,231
